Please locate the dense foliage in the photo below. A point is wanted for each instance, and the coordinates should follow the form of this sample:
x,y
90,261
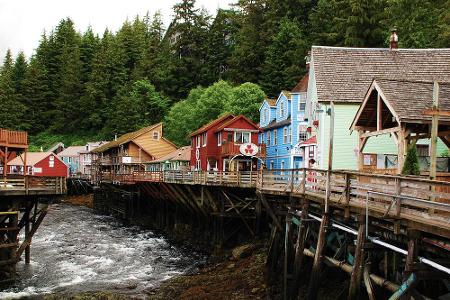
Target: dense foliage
x,y
411,165
82,84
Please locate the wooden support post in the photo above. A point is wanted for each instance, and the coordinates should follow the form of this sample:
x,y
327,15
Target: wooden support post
x,y
5,166
412,257
347,196
434,131
318,256
27,233
304,181
299,246
286,255
355,279
400,149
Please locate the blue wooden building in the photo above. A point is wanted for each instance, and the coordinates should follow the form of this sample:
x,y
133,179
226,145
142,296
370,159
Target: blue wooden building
x,y
284,122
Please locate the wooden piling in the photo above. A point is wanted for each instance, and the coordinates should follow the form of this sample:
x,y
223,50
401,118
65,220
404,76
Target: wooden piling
x,y
355,278
299,246
314,281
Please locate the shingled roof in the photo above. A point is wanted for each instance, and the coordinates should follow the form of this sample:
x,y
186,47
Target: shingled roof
x,y
409,99
343,74
123,139
302,85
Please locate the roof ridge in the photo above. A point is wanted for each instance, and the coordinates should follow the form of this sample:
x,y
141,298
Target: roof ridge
x,y
410,80
378,49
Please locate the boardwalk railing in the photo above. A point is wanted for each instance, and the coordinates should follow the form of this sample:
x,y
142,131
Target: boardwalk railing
x,y
13,138
32,185
393,197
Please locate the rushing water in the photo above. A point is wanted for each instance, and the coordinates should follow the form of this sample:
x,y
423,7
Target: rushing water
x,y
76,250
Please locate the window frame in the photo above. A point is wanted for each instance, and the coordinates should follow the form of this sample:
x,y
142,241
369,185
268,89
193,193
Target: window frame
x,y
285,135
275,135
204,138
302,134
219,138
281,108
197,141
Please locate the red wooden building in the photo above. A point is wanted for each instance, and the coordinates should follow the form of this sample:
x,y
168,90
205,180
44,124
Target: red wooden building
x,y
45,164
229,143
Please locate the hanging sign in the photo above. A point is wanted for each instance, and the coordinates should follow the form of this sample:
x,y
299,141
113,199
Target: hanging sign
x,y
248,149
126,160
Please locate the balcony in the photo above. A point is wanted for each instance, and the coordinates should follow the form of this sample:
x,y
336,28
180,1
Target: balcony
x,y
231,149
14,139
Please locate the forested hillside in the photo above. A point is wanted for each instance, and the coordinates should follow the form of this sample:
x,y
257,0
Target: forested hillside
x,y
79,86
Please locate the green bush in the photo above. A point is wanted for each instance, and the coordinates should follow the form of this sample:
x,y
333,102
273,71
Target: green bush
x,y
411,165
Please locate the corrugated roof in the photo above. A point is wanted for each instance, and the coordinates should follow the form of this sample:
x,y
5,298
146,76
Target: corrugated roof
x,y
211,124
302,85
32,158
123,139
181,154
343,74
409,99
71,151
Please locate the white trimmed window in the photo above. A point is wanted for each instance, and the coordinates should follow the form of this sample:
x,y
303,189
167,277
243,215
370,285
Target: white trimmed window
x,y
302,133
266,115
271,165
197,141
290,134
275,137
302,105
242,137
204,139
268,138
219,139
282,108
285,135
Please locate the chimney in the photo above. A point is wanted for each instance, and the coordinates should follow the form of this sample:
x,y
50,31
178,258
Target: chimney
x,y
308,60
393,39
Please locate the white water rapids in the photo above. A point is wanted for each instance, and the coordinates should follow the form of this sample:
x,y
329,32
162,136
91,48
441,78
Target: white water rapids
x,y
75,250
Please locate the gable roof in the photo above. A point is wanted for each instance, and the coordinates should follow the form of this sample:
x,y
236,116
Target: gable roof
x,y
181,154
270,102
125,138
311,141
231,121
32,158
211,124
407,99
71,151
343,74
302,85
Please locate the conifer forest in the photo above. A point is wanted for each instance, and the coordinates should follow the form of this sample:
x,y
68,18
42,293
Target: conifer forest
x,y
77,85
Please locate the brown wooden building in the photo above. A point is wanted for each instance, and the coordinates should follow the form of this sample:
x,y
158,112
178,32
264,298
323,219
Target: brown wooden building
x,y
132,150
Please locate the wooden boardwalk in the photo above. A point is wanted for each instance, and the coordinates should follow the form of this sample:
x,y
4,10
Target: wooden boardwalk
x,y
32,186
411,201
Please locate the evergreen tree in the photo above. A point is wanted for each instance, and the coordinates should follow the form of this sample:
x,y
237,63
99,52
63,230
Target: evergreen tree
x,y
251,41
11,110
284,59
220,46
411,164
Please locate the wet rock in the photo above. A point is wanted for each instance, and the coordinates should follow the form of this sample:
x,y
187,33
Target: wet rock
x,y
243,251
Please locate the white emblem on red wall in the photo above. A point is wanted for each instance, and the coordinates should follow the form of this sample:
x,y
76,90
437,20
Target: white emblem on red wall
x,y
248,149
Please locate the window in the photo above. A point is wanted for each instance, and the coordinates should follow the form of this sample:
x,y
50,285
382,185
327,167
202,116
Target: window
x,y
51,161
69,159
285,135
268,138
282,108
242,137
155,135
275,137
290,134
311,151
302,105
204,139
266,115
219,139
282,167
271,165
197,142
198,165
302,134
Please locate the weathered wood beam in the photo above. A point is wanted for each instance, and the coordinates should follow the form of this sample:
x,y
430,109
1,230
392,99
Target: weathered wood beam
x,y
380,132
356,275
436,112
445,140
299,247
33,230
270,211
434,131
314,281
